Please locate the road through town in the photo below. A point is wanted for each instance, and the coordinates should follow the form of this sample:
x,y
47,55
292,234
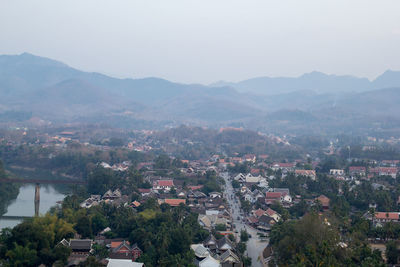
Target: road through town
x,y
254,245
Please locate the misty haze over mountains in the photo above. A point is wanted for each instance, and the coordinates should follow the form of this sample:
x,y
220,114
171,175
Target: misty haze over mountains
x,y
316,81
32,86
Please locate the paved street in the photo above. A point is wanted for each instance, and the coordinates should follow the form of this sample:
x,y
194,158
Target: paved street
x,y
254,245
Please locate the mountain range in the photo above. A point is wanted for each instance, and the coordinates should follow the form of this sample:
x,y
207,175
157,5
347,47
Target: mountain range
x,y
315,81
32,86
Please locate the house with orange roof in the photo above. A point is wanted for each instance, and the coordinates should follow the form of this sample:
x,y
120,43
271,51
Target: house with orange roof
x,y
271,197
163,185
273,214
173,202
123,250
324,200
195,187
258,213
379,219
135,204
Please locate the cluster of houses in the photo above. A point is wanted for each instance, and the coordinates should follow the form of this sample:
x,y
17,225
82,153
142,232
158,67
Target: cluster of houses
x,y
264,197
216,253
261,192
373,169
110,197
263,219
121,252
380,218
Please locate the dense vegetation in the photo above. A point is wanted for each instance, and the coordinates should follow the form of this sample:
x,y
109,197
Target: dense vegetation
x,y
34,242
76,160
8,192
315,240
163,233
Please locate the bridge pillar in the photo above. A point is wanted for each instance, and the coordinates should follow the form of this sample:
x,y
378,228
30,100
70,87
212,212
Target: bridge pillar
x,y
37,199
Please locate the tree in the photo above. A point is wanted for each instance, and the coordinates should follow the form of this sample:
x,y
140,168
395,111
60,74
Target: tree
x,y
241,247
246,205
100,180
39,234
83,226
235,184
220,227
162,162
101,251
315,241
244,236
246,261
311,238
99,222
392,254
22,256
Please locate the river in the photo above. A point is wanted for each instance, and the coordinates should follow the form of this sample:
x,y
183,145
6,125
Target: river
x,y
24,205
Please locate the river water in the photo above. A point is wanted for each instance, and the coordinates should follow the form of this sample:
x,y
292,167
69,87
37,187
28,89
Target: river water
x,y
24,205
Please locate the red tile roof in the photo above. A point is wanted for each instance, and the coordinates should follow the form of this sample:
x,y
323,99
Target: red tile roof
x,y
136,203
165,182
259,212
174,202
270,212
274,195
253,219
388,169
323,200
387,215
115,244
195,187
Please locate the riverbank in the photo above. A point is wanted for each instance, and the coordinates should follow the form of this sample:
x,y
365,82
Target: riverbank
x,y
24,205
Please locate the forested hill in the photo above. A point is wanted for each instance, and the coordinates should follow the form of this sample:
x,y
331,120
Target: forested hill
x,y
54,91
36,90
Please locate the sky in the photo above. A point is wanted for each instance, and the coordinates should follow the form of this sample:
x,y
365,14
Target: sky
x,y
205,41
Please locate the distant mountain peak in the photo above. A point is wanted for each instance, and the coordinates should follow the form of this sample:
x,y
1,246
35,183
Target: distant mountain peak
x,y
26,54
30,59
390,72
315,73
389,78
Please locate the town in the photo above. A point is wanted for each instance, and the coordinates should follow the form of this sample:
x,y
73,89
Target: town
x,y
243,204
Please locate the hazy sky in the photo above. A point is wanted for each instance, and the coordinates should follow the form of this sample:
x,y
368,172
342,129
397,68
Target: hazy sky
x,y
207,40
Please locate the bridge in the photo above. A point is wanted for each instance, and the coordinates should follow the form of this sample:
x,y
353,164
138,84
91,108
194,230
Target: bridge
x,y
37,189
